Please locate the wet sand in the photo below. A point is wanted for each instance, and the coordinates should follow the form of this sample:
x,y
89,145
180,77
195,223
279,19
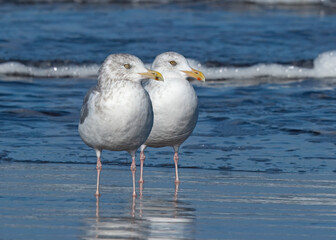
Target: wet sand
x,y
56,201
261,163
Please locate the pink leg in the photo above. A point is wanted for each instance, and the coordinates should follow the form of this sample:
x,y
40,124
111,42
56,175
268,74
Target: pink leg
x,y
97,206
176,191
140,189
142,159
133,168
133,208
99,168
176,158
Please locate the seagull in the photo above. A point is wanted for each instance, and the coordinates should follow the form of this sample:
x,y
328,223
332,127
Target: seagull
x,y
175,105
117,113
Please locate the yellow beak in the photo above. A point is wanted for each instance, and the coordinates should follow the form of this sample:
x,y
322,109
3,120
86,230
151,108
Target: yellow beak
x,y
152,75
195,74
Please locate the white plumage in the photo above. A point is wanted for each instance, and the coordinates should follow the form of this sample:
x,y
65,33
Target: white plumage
x,y
117,113
175,105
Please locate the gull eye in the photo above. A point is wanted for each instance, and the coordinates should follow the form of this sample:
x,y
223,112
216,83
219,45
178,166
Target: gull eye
x,y
173,63
127,66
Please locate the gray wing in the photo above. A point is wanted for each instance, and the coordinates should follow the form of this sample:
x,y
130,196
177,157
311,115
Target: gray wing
x,y
85,109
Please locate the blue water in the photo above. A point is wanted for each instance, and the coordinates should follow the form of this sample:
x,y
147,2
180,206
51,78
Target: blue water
x,y
261,161
204,31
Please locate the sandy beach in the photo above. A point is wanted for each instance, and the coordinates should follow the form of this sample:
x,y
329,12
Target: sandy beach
x,y
53,201
260,164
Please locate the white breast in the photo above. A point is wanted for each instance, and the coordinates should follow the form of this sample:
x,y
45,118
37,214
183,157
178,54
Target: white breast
x,y
120,119
175,112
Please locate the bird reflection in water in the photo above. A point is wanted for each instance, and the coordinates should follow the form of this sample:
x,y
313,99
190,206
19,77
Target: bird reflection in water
x,y
175,195
148,217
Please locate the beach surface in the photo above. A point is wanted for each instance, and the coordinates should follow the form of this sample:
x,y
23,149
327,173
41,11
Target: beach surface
x,y
53,201
260,164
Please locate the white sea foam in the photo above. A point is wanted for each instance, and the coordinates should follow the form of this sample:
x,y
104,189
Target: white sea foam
x,y
289,2
324,66
19,69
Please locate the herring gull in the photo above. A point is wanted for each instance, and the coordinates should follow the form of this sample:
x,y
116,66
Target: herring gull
x,y
175,105
117,113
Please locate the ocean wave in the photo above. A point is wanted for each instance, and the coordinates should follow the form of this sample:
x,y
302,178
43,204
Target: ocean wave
x,y
324,66
292,2
19,69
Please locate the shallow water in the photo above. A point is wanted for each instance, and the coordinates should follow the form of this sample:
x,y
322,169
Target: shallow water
x,y
260,164
55,201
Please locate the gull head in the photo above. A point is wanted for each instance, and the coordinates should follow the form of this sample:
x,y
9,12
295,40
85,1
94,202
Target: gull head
x,y
117,67
173,64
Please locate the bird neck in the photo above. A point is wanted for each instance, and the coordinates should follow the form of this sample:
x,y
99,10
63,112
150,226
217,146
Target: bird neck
x,y
167,74
107,85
